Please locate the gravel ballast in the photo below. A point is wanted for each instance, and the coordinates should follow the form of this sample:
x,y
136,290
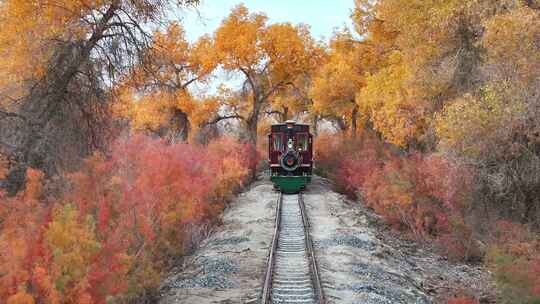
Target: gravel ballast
x,y
229,266
360,260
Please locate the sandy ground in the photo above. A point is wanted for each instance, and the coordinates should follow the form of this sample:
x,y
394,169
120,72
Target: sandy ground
x,y
352,260
362,261
358,262
229,266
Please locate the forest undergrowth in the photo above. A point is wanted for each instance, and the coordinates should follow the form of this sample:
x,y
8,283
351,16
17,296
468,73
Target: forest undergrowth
x,y
431,197
121,222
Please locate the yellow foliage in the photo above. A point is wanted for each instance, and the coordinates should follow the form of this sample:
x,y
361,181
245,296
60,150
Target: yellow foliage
x,y
423,30
154,92
392,106
272,58
336,83
291,50
28,29
472,126
244,41
511,41
73,243
237,39
32,29
295,57
173,61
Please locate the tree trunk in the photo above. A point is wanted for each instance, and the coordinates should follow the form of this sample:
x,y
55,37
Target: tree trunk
x,y
466,71
180,127
314,125
530,201
342,125
44,105
285,114
251,129
252,123
354,115
45,101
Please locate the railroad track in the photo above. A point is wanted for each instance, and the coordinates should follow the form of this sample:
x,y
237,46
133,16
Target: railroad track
x,y
292,275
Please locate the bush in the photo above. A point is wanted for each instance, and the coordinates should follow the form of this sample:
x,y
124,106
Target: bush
x,y
463,300
123,221
498,134
514,257
347,162
425,194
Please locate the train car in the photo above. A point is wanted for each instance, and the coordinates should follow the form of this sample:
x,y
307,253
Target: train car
x,y
290,154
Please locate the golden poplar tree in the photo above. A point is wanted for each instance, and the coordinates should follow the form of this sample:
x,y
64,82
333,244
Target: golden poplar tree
x,y
336,83
155,96
269,58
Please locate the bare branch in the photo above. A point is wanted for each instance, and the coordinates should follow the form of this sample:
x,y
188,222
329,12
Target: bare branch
x,y
12,114
249,79
220,118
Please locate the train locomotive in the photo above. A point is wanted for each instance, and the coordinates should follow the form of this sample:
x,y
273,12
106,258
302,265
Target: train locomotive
x,y
290,154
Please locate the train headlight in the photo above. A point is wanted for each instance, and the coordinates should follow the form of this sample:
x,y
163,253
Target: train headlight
x,y
290,144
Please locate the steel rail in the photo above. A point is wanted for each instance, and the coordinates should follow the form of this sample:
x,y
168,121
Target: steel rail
x,y
267,287
319,294
280,258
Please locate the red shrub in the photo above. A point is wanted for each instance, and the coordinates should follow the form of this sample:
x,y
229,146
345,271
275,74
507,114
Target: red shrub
x,y
328,153
347,162
123,219
21,245
514,257
426,194
463,300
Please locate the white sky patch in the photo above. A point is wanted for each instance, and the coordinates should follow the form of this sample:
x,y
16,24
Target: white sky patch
x,y
321,16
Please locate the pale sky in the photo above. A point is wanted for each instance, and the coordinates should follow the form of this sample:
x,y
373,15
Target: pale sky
x,y
322,16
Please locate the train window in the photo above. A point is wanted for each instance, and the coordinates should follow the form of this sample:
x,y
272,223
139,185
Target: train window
x,y
303,142
278,142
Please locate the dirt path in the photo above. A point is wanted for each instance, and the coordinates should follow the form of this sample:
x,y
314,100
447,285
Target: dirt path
x,y
229,267
361,261
357,263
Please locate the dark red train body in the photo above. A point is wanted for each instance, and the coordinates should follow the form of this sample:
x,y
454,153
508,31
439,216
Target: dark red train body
x,y
290,154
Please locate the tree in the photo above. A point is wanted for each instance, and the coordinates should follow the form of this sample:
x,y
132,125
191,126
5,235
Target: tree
x,y
155,96
393,109
293,100
269,58
426,54
495,127
512,52
337,82
69,52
